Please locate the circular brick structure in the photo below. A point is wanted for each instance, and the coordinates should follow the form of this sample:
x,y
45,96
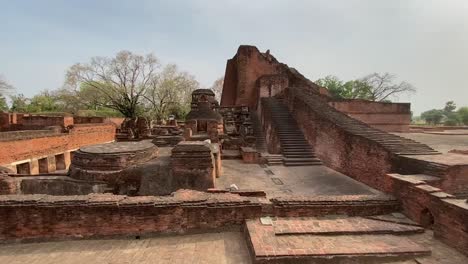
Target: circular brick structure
x,y
105,162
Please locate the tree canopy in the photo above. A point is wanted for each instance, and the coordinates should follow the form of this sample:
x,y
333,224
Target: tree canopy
x,y
373,87
448,116
119,82
127,84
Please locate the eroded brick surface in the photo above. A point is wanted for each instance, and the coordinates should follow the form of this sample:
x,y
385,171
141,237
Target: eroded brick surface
x,y
268,245
340,226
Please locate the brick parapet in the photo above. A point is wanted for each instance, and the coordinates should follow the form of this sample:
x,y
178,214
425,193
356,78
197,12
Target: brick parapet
x,y
33,147
45,217
430,206
24,217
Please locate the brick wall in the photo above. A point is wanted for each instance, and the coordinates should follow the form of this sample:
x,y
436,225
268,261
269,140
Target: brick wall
x,y
391,117
242,72
41,121
46,217
42,217
81,135
431,207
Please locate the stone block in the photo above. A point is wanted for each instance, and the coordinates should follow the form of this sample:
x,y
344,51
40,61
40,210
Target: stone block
x,y
249,155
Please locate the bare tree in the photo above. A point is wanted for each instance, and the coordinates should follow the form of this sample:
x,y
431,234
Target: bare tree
x,y
381,87
217,88
170,92
5,87
120,82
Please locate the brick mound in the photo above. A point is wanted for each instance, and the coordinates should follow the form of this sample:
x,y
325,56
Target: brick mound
x,y
283,239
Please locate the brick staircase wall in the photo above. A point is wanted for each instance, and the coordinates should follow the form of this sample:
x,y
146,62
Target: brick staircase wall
x,y
346,144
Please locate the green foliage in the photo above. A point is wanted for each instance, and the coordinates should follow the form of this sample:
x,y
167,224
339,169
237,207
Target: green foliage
x,y
373,87
19,103
356,89
44,102
3,104
433,116
450,106
452,119
334,86
463,115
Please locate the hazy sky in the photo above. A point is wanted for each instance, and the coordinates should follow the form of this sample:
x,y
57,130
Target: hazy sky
x,y
423,42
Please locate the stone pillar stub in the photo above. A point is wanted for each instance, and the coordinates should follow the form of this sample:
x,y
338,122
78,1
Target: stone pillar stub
x,y
34,166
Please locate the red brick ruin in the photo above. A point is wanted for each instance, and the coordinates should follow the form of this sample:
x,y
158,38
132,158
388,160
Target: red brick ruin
x,y
78,177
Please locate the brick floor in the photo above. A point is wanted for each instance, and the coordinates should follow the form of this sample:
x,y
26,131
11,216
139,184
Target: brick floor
x,y
225,247
267,245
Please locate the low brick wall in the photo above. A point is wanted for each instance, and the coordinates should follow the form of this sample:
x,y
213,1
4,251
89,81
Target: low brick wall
x,y
353,205
391,117
431,207
46,144
42,217
26,134
53,217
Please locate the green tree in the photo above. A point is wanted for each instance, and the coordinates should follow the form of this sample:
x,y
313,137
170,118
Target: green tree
x,y
356,89
333,84
44,102
452,119
373,87
433,116
19,103
450,106
3,104
463,114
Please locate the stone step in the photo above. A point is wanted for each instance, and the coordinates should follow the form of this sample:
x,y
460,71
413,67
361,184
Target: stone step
x,y
298,164
308,155
330,240
297,150
294,143
304,160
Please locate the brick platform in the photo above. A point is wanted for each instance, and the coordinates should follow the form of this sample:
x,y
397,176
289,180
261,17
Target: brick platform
x,y
268,244
340,226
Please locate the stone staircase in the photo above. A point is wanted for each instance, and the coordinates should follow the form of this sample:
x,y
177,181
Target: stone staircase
x,y
260,142
294,147
273,159
333,239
